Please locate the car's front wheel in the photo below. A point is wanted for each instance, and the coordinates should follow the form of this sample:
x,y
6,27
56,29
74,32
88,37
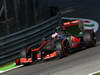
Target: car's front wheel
x,y
17,61
61,47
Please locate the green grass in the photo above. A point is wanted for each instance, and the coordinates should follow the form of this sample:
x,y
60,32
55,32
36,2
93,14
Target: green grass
x,y
7,66
97,73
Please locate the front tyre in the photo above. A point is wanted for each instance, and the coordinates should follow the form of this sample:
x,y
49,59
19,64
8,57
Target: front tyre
x,y
17,61
61,48
65,46
23,53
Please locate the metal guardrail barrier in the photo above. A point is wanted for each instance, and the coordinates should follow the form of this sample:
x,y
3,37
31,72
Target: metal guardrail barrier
x,y
11,45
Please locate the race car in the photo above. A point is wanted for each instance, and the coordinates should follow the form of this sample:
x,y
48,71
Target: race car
x,y
70,36
47,49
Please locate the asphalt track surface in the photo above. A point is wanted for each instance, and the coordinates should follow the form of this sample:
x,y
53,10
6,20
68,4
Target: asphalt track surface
x,y
80,63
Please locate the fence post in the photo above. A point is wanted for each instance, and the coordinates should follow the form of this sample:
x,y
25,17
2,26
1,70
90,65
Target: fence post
x,y
6,16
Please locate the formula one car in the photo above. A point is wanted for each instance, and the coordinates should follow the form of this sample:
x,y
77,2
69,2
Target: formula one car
x,y
70,36
47,49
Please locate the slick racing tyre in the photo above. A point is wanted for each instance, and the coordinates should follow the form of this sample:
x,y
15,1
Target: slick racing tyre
x,y
26,52
23,53
61,49
93,42
65,46
89,38
17,61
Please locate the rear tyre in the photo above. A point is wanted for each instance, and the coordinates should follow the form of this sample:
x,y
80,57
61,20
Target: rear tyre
x,y
89,38
93,42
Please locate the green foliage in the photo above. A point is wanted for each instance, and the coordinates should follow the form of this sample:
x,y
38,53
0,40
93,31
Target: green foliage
x,y
97,73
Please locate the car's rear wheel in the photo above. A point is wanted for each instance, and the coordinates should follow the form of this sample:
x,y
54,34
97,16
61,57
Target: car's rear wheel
x,y
89,38
93,42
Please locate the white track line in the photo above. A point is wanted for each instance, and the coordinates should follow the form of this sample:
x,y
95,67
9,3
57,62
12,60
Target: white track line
x,y
94,73
1,71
